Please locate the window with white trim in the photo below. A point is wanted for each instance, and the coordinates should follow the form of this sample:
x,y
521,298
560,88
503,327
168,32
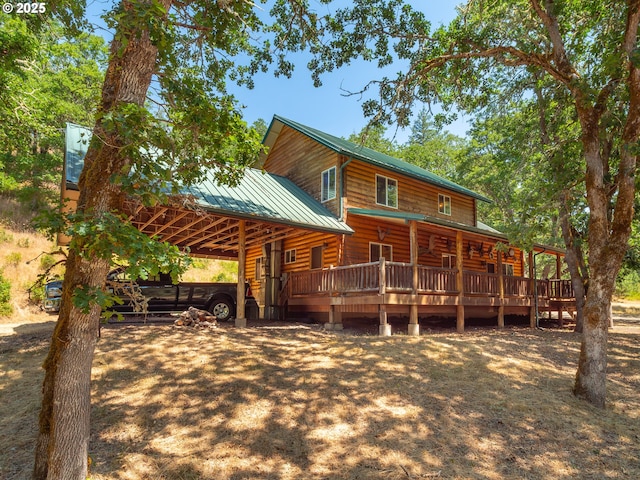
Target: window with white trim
x,y
328,187
386,191
290,256
448,260
444,204
379,250
259,269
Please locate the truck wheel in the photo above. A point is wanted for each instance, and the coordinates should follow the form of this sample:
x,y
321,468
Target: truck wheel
x,y
222,309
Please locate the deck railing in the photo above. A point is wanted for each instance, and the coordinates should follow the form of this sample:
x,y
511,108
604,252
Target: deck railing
x,y
478,283
561,289
396,277
436,280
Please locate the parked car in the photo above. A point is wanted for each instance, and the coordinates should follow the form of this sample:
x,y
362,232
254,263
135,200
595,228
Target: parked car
x,y
162,296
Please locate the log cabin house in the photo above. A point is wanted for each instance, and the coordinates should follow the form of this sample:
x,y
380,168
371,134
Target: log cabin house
x,y
417,247
328,229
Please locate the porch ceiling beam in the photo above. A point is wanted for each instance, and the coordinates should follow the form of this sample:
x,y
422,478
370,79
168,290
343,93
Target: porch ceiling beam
x,y
175,219
204,229
153,218
135,213
199,219
207,236
229,240
275,236
256,237
257,240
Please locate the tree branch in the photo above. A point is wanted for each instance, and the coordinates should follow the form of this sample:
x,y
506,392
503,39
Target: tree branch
x,y
550,23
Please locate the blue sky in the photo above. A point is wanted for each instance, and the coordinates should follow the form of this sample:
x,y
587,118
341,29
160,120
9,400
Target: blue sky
x,y
325,108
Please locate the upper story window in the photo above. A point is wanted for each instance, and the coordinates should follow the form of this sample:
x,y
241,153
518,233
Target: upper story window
x,y
328,189
386,191
444,204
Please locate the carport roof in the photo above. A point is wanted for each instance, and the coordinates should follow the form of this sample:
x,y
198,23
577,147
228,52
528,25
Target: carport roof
x,y
273,206
262,195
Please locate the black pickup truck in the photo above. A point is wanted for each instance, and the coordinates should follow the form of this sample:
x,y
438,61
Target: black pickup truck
x,y
162,296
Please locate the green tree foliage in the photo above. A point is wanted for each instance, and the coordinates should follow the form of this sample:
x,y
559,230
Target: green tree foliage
x,y
435,149
375,137
50,79
6,308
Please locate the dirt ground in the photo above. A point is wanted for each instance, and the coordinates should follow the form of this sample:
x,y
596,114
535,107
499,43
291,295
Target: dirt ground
x,y
288,401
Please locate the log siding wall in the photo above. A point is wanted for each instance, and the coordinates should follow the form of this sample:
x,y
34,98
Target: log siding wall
x,y
302,160
433,243
413,195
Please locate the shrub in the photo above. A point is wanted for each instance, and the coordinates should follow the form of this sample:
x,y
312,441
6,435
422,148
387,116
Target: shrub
x,y
47,261
221,277
8,184
5,237
198,264
628,284
36,292
5,297
24,242
13,259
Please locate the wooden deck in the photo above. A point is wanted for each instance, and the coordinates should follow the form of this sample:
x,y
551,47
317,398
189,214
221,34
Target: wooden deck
x,y
394,286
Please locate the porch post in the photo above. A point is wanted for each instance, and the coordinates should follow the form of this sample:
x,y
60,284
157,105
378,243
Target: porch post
x,y
335,319
459,283
414,327
534,293
558,276
500,292
275,272
241,320
385,328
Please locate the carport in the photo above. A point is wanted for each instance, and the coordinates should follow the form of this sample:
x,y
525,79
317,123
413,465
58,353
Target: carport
x,y
216,221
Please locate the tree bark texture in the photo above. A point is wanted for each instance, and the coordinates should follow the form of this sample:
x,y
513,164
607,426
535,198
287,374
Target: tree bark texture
x,y
62,444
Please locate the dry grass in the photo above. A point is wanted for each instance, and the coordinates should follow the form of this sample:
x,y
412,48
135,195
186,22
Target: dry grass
x,y
291,401
21,251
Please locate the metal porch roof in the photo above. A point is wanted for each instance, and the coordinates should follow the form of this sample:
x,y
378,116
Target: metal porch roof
x,y
269,197
368,155
482,228
408,216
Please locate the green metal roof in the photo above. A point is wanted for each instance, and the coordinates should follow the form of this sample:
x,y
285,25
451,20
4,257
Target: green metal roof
x,y
368,155
268,197
259,196
481,228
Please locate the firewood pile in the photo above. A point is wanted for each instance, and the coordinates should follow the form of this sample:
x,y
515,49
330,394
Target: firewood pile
x,y
194,317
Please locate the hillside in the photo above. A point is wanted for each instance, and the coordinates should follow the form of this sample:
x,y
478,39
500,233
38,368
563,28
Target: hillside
x,y
23,256
25,253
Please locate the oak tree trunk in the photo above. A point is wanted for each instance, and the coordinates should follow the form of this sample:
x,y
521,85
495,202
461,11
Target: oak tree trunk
x,y
62,444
